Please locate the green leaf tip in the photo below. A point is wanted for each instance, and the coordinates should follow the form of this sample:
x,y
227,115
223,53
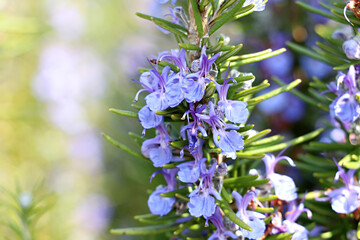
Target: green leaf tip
x,y
123,147
147,230
124,112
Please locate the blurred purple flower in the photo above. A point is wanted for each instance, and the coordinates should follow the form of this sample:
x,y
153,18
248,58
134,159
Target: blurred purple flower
x,y
315,68
85,150
284,186
66,19
288,106
259,5
351,48
334,135
93,214
251,218
173,2
345,106
221,233
279,66
62,66
300,232
345,199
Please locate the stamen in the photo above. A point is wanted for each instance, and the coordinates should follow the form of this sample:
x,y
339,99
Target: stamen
x,y
346,17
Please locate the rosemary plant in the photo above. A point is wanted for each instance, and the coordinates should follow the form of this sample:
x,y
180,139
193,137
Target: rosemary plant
x,y
204,145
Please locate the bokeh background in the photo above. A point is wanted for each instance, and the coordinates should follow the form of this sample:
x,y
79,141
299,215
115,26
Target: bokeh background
x,y
64,63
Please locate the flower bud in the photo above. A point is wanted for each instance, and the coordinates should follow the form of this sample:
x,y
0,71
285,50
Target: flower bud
x,y
351,48
224,39
180,14
210,89
342,34
221,170
195,66
218,183
213,72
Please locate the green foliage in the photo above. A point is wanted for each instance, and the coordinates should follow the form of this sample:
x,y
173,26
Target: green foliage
x,y
23,209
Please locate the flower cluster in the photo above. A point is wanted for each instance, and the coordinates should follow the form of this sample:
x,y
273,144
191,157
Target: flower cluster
x,y
285,190
198,108
205,117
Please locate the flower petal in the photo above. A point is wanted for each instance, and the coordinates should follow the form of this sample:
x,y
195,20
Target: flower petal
x,y
347,109
284,186
157,101
236,111
174,94
148,118
158,204
202,205
189,172
193,90
344,201
160,156
258,228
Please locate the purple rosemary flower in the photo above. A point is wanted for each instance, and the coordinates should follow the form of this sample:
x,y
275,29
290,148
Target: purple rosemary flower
x,y
229,141
301,233
284,186
221,233
174,95
186,84
346,107
148,118
259,5
202,201
345,199
177,58
191,130
149,81
189,172
158,204
194,85
251,218
157,100
235,111
157,148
